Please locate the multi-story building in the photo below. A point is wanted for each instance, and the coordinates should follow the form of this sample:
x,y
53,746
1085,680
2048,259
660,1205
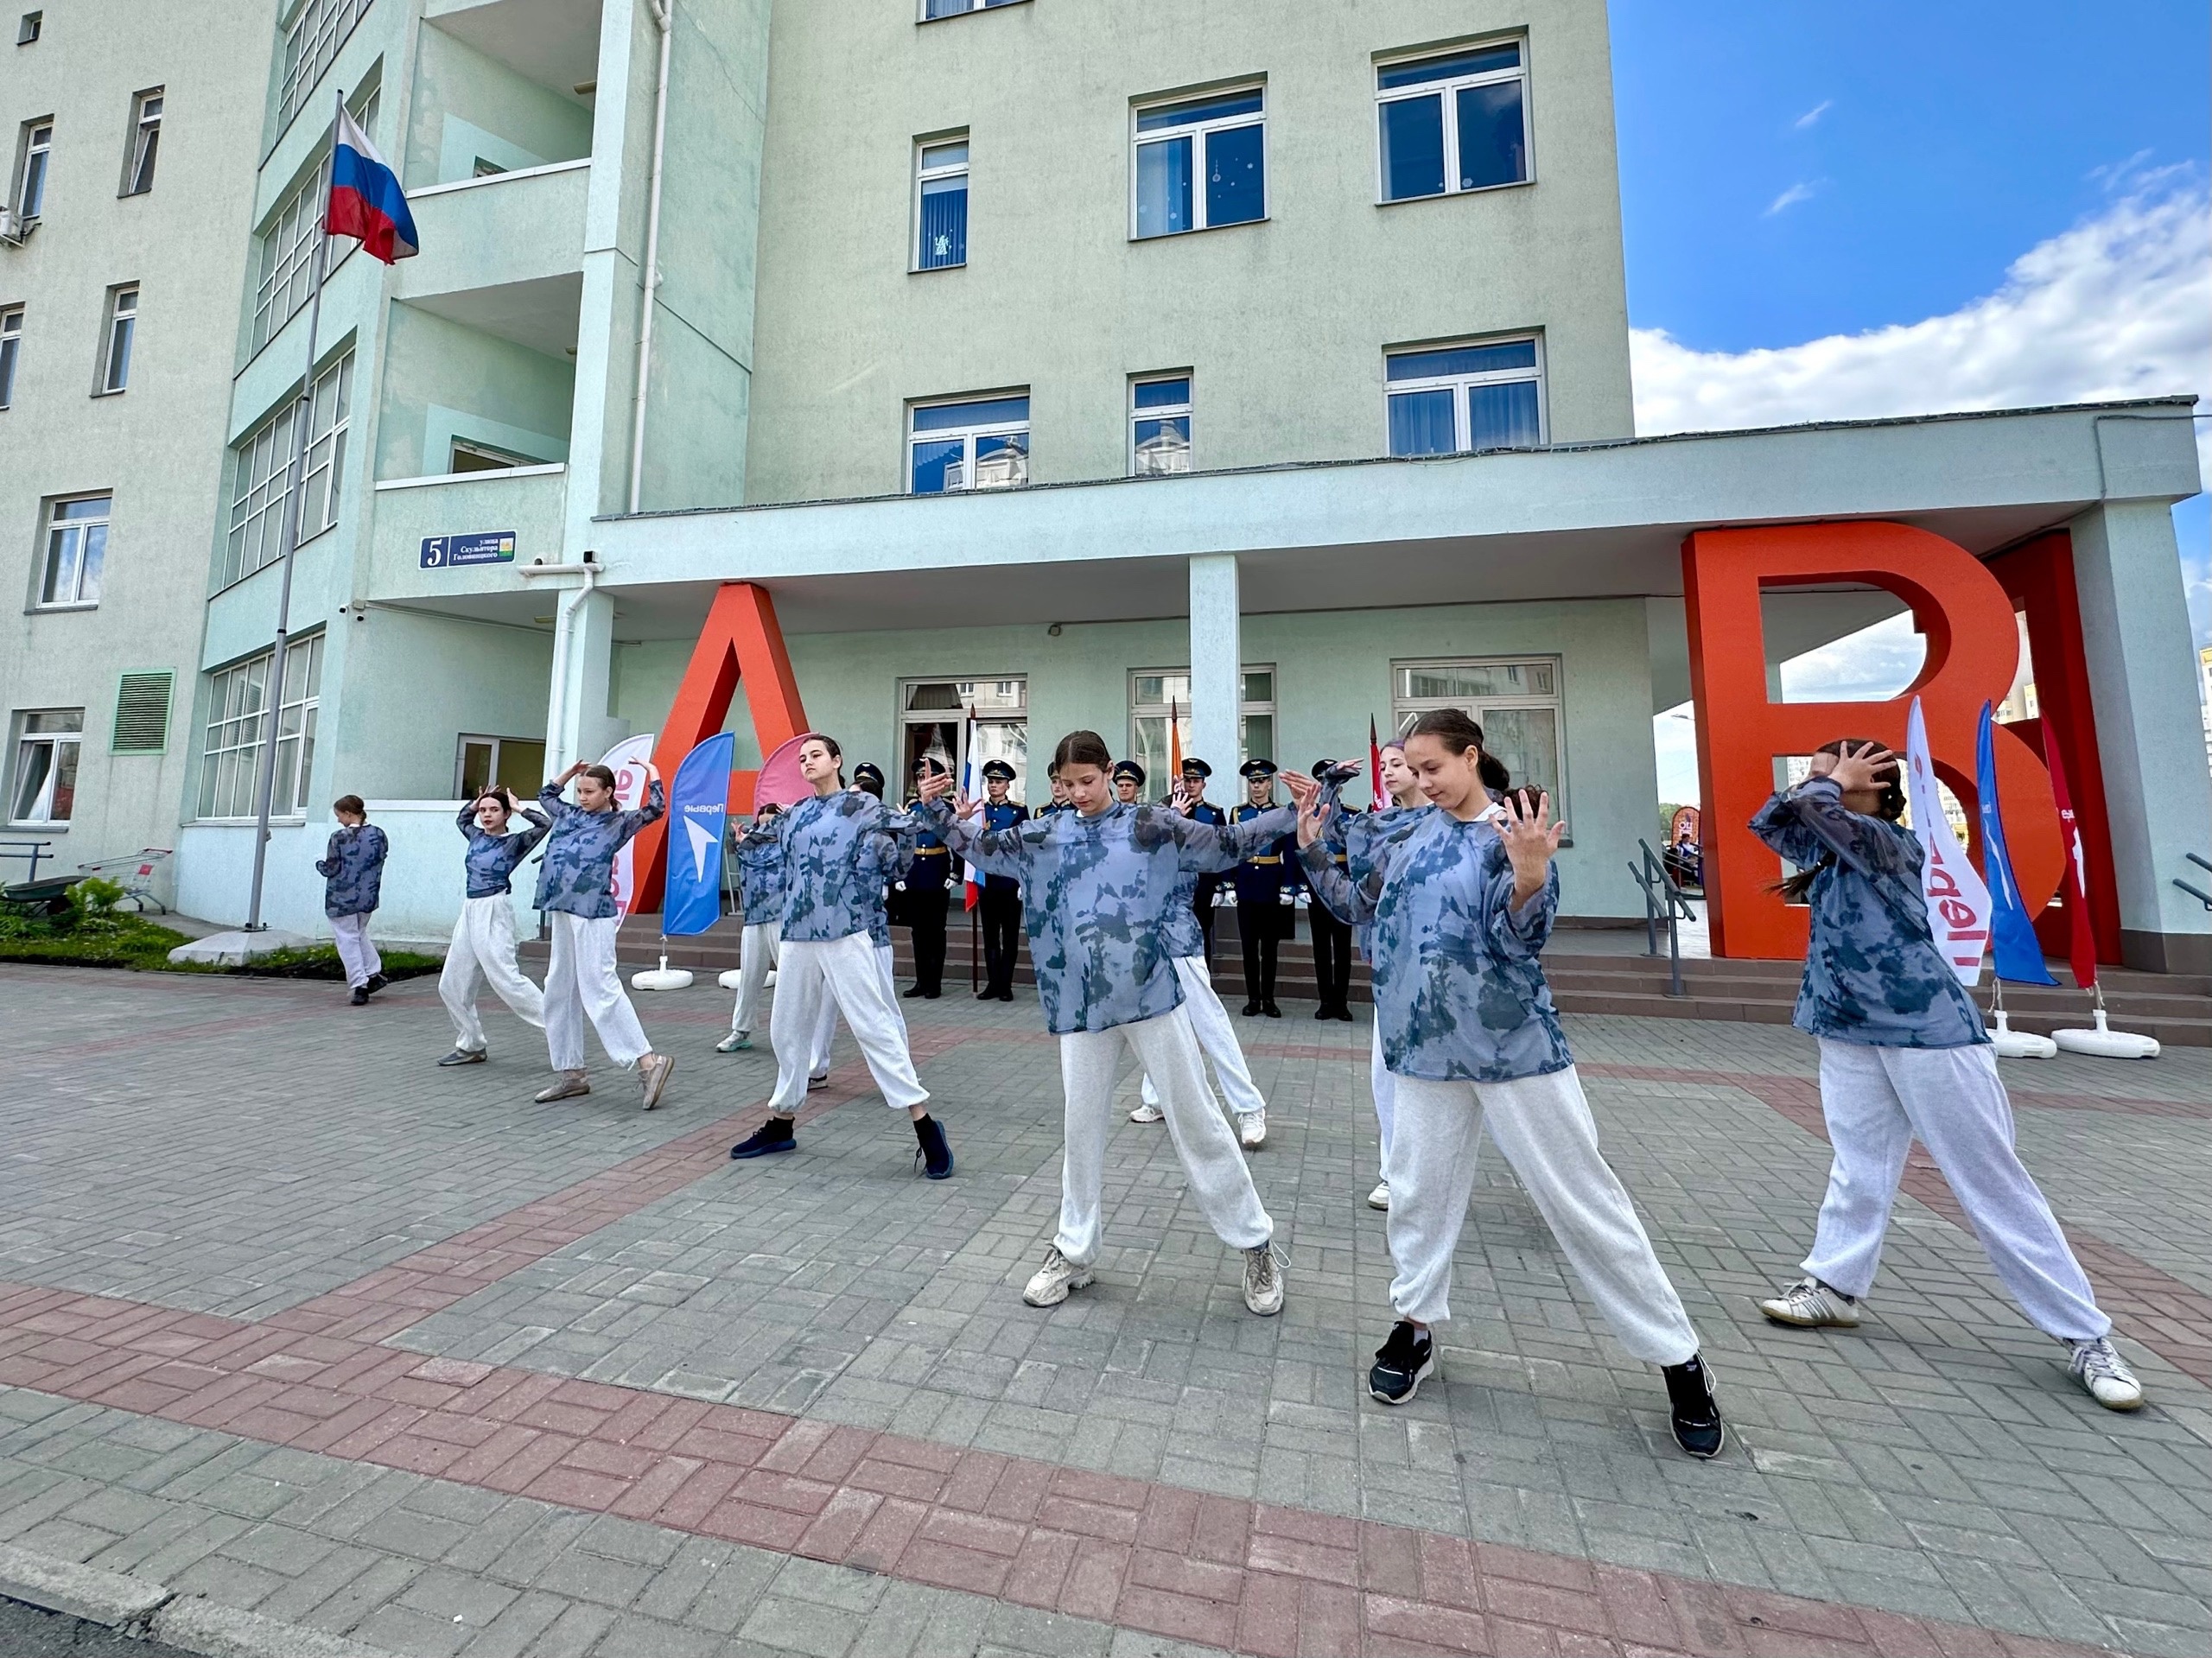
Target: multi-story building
x,y
123,215
1090,366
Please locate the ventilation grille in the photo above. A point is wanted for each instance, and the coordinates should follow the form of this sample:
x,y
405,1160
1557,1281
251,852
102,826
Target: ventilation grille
x,y
142,713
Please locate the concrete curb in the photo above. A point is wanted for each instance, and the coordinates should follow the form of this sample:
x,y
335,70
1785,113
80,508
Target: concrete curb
x,y
138,1607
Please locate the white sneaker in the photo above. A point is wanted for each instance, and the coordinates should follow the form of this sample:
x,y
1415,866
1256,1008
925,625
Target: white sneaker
x,y
1147,1112
1052,1281
1252,1130
653,1072
817,1079
2098,1367
1811,1305
568,1086
1263,1279
1380,1197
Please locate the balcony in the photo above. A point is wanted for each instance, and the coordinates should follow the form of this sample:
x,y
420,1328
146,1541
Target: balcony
x,y
527,502
496,230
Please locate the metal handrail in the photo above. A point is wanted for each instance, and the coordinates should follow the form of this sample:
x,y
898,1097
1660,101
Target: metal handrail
x,y
2196,892
33,850
1661,897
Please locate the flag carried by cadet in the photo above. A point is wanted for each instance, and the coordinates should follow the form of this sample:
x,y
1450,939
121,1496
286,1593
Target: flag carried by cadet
x,y
1374,766
365,200
971,786
2014,951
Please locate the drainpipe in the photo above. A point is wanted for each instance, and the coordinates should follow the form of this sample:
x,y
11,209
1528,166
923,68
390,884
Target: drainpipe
x,y
660,9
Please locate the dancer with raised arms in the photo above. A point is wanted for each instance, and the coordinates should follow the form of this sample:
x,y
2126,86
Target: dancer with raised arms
x,y
835,846
484,943
1903,1054
1098,881
575,891
1461,902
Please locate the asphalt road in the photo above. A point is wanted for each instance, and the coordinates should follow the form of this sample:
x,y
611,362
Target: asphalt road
x,y
27,1632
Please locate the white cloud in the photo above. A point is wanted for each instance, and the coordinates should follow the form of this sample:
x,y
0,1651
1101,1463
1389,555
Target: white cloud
x,y
2119,306
1797,193
1814,114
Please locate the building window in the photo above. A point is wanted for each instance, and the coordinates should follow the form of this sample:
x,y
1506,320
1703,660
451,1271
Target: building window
x,y
30,172
467,454
76,547
261,466
11,346
238,721
44,787
933,9
145,141
941,205
1452,123
28,27
933,722
1516,703
116,341
481,763
319,27
1201,163
1159,424
1457,399
980,444
286,259
1157,694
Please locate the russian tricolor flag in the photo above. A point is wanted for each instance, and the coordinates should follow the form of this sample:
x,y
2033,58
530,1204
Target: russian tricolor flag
x,y
365,200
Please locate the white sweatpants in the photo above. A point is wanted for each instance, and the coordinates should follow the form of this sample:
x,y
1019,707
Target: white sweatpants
x,y
757,949
583,986
1876,1100
888,963
1384,1087
1220,1185
483,951
1217,1038
847,976
356,949
1544,1126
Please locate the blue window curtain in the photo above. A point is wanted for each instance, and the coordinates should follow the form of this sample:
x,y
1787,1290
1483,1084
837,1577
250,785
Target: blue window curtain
x,y
1236,175
1503,416
1164,201
1493,148
1413,148
1420,423
944,223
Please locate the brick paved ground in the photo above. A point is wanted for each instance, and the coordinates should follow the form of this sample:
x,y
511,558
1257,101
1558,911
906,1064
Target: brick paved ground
x,y
291,1319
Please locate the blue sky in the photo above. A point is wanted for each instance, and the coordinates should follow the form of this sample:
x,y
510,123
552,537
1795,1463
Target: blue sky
x,y
1887,209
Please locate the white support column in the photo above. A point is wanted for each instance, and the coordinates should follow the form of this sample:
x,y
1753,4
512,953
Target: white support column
x,y
1217,667
2150,736
576,724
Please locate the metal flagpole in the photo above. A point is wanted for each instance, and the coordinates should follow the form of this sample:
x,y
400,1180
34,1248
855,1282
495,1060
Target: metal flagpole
x,y
302,418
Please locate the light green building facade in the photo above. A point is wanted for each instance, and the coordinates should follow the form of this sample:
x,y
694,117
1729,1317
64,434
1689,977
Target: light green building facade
x,y
1070,358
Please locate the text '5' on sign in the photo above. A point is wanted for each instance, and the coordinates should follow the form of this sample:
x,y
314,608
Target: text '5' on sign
x,y
486,546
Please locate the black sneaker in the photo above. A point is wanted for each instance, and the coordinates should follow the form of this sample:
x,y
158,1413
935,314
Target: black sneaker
x,y
1698,1427
934,1155
360,996
376,982
771,1137
1407,1357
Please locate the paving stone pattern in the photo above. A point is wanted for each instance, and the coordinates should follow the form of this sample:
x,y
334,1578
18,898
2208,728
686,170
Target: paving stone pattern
x,y
246,1226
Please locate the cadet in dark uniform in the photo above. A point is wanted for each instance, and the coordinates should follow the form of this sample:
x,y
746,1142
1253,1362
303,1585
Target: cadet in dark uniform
x,y
924,908
1128,782
1331,938
1001,898
1265,885
1198,807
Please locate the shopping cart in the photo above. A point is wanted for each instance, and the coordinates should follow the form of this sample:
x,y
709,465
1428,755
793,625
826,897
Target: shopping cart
x,y
133,873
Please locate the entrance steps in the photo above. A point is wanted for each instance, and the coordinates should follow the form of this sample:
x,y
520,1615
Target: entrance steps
x,y
1586,973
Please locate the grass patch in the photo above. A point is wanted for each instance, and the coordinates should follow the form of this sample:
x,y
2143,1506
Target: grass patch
x,y
120,940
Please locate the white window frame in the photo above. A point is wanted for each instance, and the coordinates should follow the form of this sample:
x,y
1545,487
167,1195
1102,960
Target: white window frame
x,y
117,335
1181,411
1156,783
1201,135
998,711
144,148
924,174
1405,708
284,250
923,14
37,156
967,434
26,739
1462,432
82,594
11,350
237,725
468,740
261,466
1448,90
318,28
